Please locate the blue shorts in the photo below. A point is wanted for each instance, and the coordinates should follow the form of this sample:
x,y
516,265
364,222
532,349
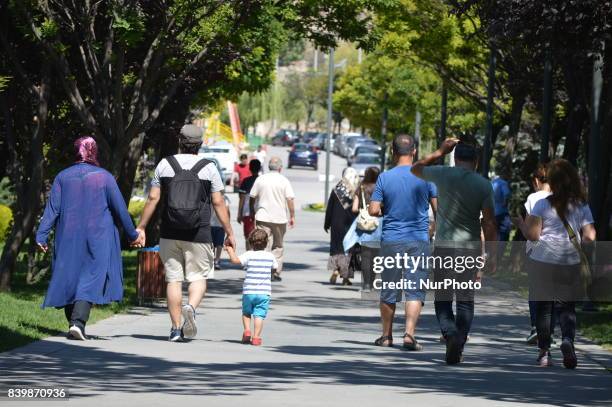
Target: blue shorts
x,y
410,275
218,236
255,305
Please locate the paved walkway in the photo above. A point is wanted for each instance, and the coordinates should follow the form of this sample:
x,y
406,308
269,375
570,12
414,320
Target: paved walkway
x,y
317,350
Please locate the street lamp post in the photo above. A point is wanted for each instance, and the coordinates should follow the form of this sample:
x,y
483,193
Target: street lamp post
x,y
330,91
383,131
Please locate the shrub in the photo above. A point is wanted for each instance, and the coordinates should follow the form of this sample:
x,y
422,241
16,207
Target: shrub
x,y
6,219
135,209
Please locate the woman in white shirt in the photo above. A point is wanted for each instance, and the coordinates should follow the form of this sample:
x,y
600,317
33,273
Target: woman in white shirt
x,y
542,191
555,262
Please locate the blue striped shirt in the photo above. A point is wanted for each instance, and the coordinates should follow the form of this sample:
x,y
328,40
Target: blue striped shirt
x,y
258,265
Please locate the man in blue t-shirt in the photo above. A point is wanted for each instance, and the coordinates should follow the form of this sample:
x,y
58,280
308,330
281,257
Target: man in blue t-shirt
x,y
403,201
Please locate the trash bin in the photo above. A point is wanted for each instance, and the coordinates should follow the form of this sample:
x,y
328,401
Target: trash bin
x,y
151,283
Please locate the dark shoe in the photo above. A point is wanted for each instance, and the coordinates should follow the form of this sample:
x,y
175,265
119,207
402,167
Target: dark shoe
x,y
569,354
276,277
176,335
453,350
78,333
381,341
346,281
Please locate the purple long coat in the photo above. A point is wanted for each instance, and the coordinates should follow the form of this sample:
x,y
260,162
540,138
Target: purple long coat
x,y
84,204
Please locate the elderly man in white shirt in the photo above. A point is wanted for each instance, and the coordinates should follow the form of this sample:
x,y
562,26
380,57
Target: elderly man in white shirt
x,y
270,199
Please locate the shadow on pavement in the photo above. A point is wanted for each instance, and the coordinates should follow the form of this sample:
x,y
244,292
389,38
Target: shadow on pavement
x,y
413,372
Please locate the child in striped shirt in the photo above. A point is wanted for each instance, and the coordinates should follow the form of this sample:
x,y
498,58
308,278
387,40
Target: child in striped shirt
x,y
257,285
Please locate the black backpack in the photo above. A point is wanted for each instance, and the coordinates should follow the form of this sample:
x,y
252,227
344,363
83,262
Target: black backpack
x,y
185,195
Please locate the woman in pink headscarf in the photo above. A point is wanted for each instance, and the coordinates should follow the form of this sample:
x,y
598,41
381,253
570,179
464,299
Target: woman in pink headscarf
x,y
84,206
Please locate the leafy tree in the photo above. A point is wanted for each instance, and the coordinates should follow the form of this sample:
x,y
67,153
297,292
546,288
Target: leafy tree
x,y
131,70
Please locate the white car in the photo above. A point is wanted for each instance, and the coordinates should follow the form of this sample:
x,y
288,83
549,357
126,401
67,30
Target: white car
x,y
342,148
225,153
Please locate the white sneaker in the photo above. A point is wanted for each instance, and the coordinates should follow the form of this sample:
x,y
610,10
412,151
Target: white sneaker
x,y
189,326
77,333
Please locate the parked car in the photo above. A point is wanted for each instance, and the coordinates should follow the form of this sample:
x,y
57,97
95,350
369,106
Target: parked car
x,y
352,142
320,141
363,161
284,137
341,147
225,153
308,136
366,148
303,155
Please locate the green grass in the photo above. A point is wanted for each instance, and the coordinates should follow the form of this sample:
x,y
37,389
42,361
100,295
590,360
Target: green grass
x,y
314,207
597,326
23,321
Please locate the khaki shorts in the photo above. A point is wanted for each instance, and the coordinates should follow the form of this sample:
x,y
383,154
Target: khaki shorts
x,y
186,260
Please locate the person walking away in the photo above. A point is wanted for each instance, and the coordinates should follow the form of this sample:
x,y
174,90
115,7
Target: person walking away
x,y
261,155
338,219
257,286
244,213
241,170
501,197
84,207
558,224
368,240
403,201
463,196
541,191
270,199
181,183
217,232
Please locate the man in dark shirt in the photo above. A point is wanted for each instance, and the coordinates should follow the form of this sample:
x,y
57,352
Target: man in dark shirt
x,y
244,215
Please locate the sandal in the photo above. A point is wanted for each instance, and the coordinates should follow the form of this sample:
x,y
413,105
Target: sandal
x,y
246,337
381,341
413,345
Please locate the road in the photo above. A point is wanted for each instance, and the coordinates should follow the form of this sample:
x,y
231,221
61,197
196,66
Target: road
x,y
317,348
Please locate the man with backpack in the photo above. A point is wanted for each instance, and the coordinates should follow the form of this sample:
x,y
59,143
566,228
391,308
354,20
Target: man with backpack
x,y
186,185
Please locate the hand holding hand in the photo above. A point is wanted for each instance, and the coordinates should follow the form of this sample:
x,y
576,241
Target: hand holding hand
x,y
43,247
448,145
230,242
140,240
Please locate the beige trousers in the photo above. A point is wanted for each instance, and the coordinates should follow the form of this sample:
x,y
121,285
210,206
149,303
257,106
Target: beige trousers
x,y
276,233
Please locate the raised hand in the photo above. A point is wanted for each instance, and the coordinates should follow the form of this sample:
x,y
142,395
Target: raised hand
x,y
448,145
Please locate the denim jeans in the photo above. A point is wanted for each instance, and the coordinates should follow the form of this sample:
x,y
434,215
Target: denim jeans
x,y
460,322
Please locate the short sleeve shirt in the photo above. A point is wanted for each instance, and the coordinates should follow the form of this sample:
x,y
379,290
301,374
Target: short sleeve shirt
x,y
259,265
554,245
405,204
462,195
271,192
209,175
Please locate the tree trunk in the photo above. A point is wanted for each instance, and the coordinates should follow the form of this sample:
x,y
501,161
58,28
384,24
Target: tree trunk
x,y
28,205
